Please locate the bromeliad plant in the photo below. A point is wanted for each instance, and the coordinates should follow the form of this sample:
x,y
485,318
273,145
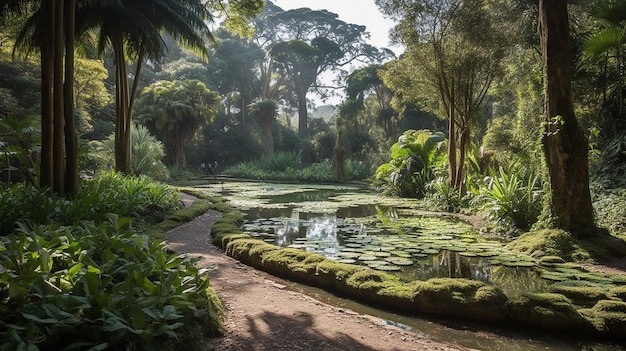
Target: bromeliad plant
x,y
511,198
413,158
97,287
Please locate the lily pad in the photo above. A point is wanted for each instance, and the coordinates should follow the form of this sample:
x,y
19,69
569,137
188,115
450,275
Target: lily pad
x,y
399,261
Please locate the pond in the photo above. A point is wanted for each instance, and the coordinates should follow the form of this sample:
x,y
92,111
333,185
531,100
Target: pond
x,y
400,236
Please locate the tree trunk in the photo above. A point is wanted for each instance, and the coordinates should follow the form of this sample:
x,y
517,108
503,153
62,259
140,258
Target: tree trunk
x,y
47,112
460,169
268,137
58,140
71,139
303,128
452,173
122,122
565,145
340,161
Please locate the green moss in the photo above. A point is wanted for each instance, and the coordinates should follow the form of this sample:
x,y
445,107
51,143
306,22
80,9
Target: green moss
x,y
339,271
216,312
608,316
549,260
546,242
448,286
262,248
610,306
618,293
372,280
404,291
545,310
489,293
239,248
580,295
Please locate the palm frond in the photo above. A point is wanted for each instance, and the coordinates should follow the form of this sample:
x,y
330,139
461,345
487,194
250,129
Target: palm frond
x,y
600,43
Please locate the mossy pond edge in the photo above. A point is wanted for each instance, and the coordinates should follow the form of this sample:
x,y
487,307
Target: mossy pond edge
x,y
593,311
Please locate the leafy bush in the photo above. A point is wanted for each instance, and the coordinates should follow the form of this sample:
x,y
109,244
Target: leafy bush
x,y
146,150
89,286
287,166
511,198
411,166
444,196
108,192
610,208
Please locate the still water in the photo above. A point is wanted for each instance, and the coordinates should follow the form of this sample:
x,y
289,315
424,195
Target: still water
x,y
352,227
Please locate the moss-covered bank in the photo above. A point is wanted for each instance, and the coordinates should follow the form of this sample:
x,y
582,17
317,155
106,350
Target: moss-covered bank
x,y
568,309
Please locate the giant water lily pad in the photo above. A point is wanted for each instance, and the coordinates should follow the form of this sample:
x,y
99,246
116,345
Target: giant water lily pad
x,y
399,261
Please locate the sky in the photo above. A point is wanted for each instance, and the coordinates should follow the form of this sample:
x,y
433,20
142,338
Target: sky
x,y
363,12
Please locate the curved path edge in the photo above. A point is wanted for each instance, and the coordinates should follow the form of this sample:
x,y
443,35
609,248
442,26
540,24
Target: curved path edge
x,y
263,315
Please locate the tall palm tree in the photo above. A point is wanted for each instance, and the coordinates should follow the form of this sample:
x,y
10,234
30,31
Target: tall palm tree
x,y
45,31
133,29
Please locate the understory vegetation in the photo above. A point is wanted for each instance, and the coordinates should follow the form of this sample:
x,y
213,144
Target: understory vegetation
x,y
288,167
81,274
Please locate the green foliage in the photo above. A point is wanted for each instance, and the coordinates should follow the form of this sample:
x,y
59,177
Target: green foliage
x,y
610,208
444,196
147,153
287,166
75,276
412,163
511,198
108,192
99,286
18,138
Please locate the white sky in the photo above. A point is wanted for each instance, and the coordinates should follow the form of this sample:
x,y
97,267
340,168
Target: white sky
x,y
362,12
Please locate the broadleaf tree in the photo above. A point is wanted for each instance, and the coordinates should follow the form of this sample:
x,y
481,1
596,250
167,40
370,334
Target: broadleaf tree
x,y
454,52
306,43
174,111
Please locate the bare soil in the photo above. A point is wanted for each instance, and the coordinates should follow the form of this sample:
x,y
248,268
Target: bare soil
x,y
262,314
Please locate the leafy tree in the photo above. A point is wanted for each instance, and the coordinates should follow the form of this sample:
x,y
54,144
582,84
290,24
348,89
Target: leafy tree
x,y
456,46
565,145
374,102
175,111
305,43
232,71
90,92
133,29
265,114
413,158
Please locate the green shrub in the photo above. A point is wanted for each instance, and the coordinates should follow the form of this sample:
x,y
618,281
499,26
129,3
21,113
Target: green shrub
x,y
510,199
610,208
411,164
444,196
108,192
101,286
288,166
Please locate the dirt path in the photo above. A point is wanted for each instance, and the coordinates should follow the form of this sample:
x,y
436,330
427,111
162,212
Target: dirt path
x,y
263,315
